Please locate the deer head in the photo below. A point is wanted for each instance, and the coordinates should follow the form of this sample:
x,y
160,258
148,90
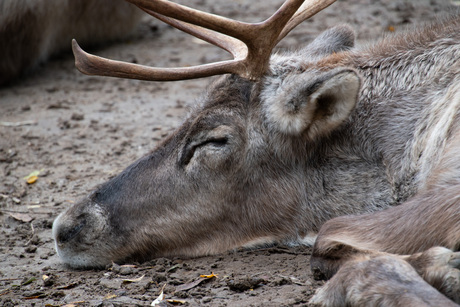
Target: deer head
x,y
234,173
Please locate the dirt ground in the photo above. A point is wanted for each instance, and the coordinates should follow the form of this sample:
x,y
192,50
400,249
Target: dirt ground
x,y
78,131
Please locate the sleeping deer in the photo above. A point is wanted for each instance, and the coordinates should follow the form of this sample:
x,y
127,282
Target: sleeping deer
x,y
33,30
359,146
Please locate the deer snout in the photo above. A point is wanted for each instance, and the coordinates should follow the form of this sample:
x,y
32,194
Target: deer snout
x,y
64,233
82,236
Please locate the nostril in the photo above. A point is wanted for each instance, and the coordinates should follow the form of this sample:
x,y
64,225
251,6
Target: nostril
x,y
67,233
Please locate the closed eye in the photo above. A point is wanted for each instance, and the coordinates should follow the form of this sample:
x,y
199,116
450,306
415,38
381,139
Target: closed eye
x,y
218,142
215,142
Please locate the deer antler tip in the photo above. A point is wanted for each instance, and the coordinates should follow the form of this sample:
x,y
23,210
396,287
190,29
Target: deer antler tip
x,y
82,62
75,46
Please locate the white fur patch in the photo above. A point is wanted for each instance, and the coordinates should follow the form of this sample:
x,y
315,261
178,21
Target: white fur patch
x,y
259,242
431,138
309,239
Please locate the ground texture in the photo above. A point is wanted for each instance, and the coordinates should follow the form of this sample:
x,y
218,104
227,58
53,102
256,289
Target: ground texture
x,y
78,131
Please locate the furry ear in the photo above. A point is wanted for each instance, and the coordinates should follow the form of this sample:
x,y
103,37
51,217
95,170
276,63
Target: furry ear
x,y
311,102
336,39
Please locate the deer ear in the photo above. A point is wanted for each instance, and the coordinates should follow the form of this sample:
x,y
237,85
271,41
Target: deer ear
x,y
336,39
311,103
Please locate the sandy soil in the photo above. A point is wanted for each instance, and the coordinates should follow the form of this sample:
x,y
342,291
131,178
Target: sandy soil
x,y
78,131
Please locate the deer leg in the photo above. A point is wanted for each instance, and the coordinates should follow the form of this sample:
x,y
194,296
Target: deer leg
x,y
378,279
414,228
440,267
428,220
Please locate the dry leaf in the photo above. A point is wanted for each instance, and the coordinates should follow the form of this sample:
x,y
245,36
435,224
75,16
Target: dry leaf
x,y
69,286
190,285
35,297
160,298
110,296
32,179
133,280
21,217
17,124
174,268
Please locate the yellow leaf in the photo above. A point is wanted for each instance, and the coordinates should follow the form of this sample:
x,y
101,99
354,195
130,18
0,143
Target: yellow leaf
x,y
32,179
212,275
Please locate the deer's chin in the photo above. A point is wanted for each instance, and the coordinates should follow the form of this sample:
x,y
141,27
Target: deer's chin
x,y
81,260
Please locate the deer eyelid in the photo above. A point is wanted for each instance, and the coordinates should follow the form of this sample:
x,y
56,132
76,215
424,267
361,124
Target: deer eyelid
x,y
189,150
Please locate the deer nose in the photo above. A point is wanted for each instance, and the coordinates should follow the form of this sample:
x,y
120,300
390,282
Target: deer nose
x,y
65,233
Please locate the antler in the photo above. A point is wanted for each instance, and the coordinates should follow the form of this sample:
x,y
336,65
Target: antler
x,y
250,44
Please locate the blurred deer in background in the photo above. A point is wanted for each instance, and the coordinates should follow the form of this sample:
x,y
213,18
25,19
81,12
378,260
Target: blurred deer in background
x,y
33,30
284,146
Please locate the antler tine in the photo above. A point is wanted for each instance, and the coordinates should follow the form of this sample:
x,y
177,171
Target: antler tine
x,y
237,48
93,65
250,44
307,10
230,27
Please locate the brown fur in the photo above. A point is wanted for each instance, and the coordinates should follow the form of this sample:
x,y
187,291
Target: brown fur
x,y
34,30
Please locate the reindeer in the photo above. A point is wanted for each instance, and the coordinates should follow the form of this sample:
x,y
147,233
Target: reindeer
x,y
32,31
357,145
